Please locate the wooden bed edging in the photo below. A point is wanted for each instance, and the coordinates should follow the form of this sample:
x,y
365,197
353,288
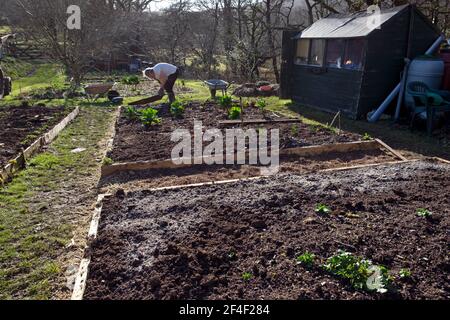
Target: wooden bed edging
x,y
15,165
82,274
301,152
226,123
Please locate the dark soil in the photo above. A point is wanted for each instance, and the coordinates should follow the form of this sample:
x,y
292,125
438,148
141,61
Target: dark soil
x,y
21,126
135,180
134,142
197,243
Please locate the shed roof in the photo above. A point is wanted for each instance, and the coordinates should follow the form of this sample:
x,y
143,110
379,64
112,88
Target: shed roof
x,y
347,25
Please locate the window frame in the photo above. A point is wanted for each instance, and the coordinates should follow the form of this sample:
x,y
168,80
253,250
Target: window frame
x,y
325,53
308,55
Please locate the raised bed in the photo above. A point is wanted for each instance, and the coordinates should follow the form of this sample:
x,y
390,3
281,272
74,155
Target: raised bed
x,y
134,143
292,159
25,130
196,242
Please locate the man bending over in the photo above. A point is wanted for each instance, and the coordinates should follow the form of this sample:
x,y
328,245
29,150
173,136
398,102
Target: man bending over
x,y
166,74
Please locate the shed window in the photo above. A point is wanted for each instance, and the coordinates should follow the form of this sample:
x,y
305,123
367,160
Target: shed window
x,y
302,51
335,53
317,52
354,54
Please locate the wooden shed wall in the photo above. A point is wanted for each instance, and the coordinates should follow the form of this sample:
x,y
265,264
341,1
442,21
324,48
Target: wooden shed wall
x,y
331,90
385,55
387,49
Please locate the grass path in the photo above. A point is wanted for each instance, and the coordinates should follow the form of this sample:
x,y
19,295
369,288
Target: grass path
x,y
45,211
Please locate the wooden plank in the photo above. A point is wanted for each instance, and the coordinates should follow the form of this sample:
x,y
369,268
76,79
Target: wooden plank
x,y
83,271
19,162
441,160
301,152
226,123
394,152
52,134
372,165
329,148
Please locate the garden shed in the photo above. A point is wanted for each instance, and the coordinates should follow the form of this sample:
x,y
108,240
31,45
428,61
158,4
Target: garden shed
x,y
341,63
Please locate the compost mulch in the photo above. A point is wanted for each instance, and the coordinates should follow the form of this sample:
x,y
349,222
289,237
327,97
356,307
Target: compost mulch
x,y
20,126
196,243
134,142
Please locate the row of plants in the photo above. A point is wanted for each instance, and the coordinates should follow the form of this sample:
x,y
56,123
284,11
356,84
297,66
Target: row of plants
x,y
235,111
150,116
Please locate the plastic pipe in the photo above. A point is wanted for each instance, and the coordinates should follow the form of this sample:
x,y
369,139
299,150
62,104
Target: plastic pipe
x,y
402,90
377,114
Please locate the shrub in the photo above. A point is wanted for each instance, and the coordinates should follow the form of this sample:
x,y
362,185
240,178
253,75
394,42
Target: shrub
x,y
306,259
177,109
150,117
131,81
234,113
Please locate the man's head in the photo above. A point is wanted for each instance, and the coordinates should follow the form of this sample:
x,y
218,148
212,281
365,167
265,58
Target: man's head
x,y
149,73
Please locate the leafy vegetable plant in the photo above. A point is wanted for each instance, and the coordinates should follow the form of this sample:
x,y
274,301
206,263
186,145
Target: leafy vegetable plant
x,y
234,113
306,259
424,213
150,117
367,137
261,104
322,209
226,102
132,113
177,109
361,273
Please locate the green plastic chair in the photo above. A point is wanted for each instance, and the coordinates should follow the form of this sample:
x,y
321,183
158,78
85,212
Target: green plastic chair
x,y
429,101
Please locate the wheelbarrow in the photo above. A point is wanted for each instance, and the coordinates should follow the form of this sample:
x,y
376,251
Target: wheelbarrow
x,y
215,85
97,90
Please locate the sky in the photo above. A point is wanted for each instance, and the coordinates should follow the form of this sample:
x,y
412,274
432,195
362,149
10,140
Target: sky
x,y
161,4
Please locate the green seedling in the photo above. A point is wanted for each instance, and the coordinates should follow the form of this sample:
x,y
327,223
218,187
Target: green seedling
x,y
322,209
149,117
367,137
177,109
132,113
306,259
424,213
234,113
360,273
247,276
405,273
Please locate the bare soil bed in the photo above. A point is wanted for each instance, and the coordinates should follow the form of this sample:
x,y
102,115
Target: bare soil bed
x,y
21,126
133,180
134,142
196,243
